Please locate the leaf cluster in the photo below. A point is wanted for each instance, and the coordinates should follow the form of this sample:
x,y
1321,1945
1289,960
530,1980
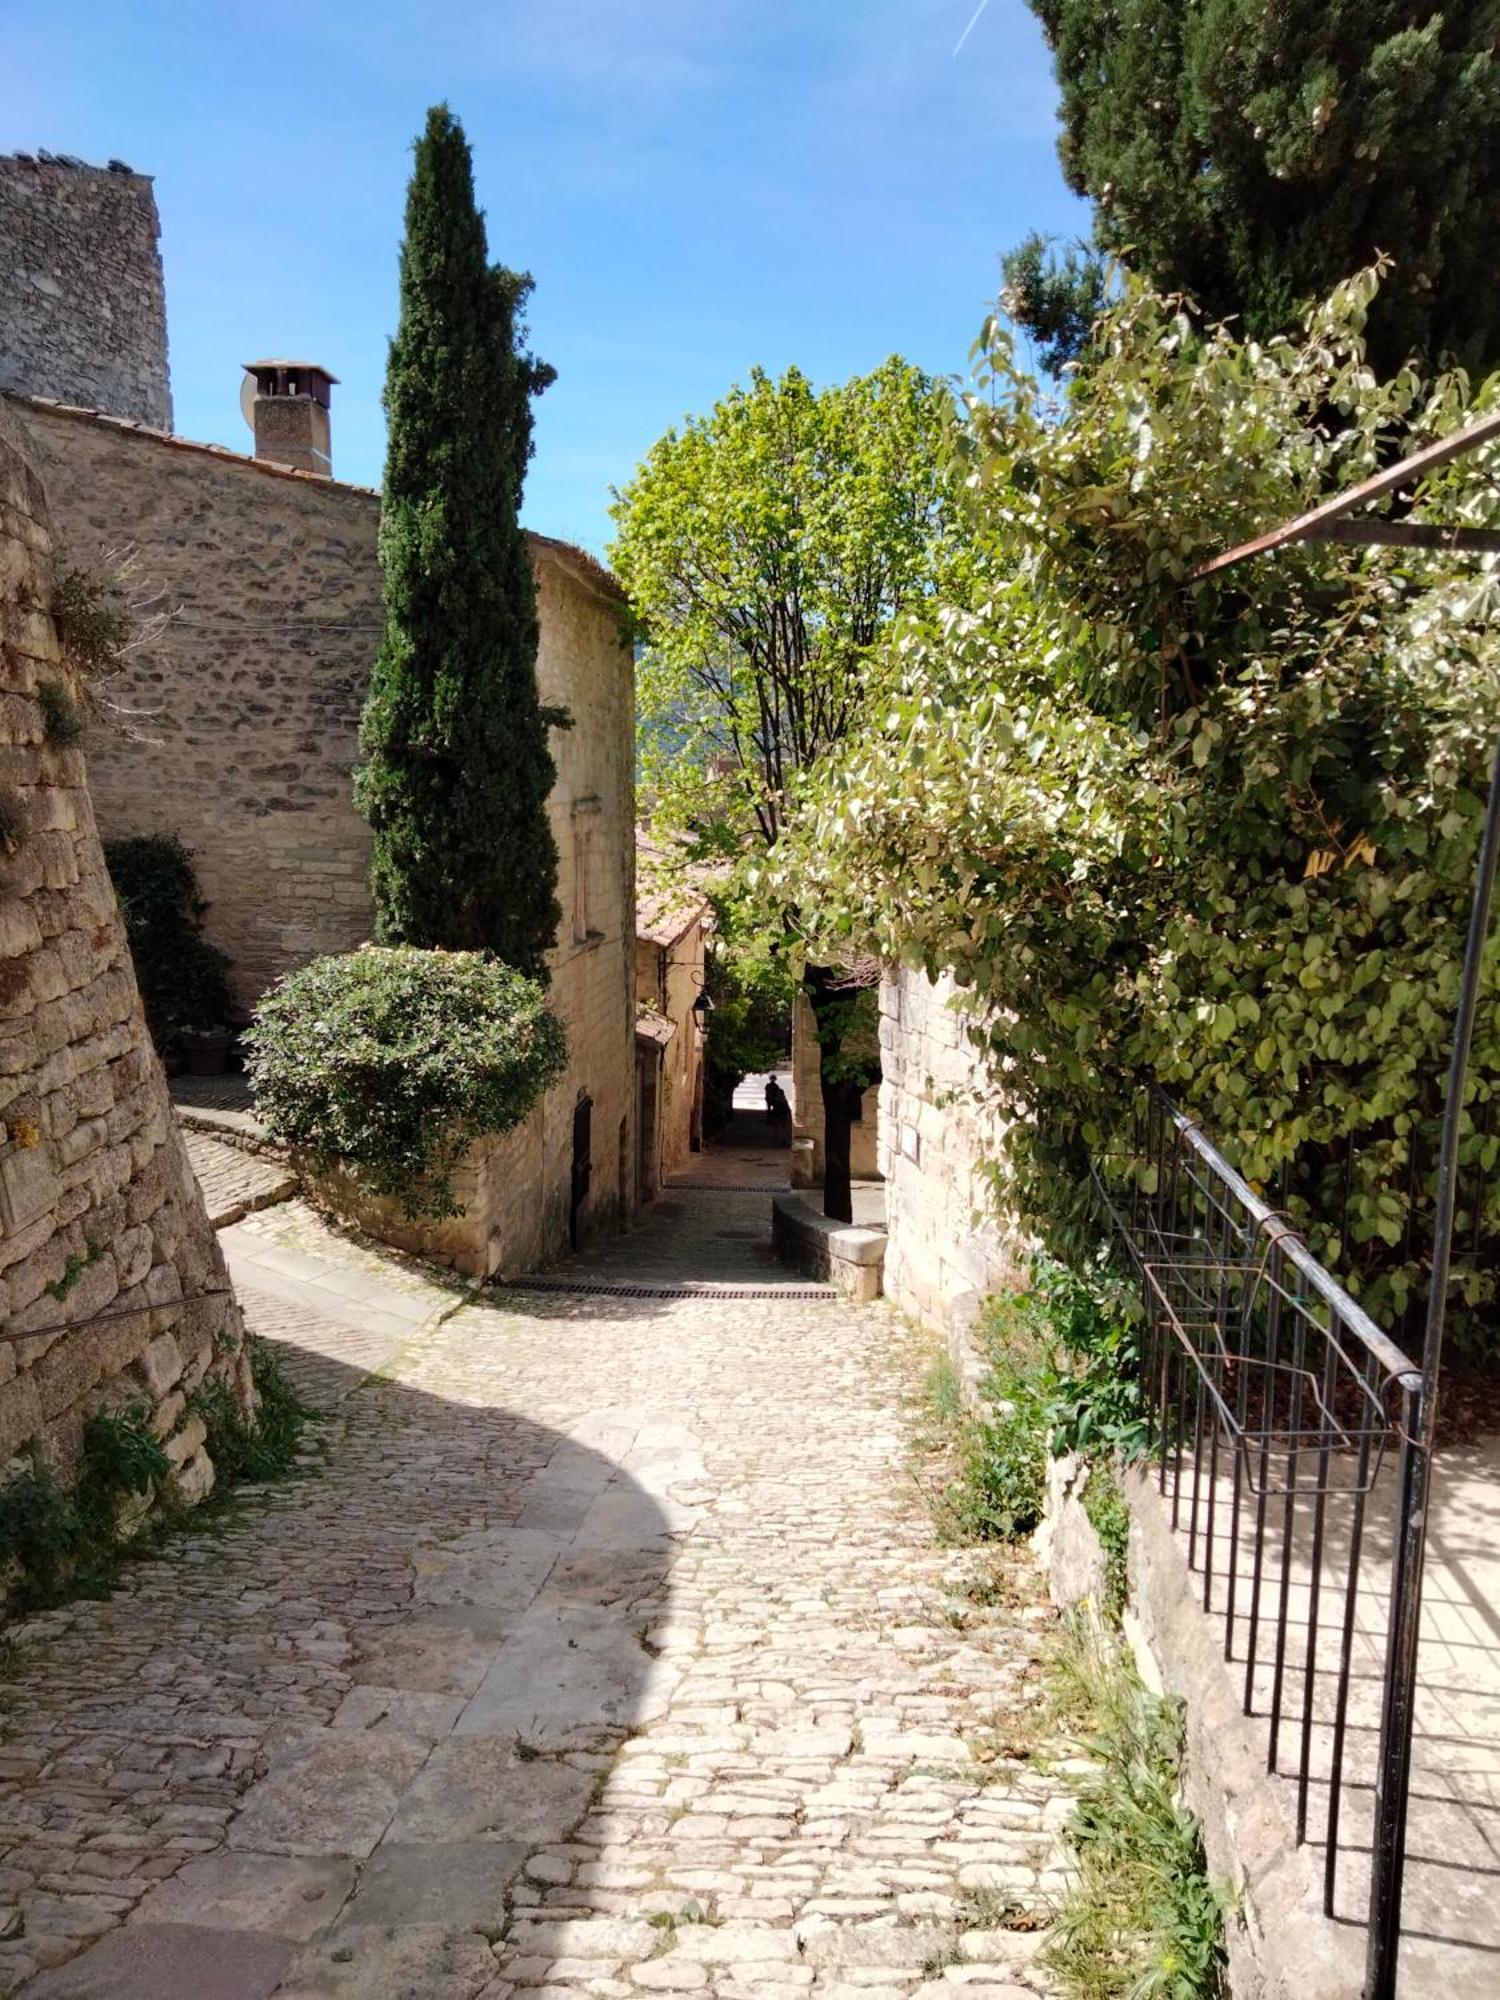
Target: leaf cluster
x,y
388,1063
1253,156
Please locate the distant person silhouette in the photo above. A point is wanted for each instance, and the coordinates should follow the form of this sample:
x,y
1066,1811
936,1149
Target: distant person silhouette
x,y
778,1111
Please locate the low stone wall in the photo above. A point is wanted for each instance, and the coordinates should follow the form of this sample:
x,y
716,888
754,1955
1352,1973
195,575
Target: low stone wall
x,y
112,1287
846,1255
948,1248
503,1229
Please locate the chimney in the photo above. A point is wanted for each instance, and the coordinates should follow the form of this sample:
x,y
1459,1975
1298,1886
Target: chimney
x,y
289,413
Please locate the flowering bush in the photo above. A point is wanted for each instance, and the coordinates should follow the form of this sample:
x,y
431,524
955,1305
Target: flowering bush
x,y
389,1062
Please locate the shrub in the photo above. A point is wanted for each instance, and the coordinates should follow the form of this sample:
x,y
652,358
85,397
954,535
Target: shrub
x,y
180,974
389,1062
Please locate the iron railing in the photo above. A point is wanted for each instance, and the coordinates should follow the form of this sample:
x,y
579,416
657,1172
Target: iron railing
x,y
1280,1415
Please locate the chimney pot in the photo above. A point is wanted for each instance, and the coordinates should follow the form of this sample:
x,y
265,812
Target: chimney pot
x,y
290,414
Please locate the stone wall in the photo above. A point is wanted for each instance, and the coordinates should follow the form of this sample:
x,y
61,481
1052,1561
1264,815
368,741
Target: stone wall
x,y
947,1248
83,312
236,727
109,1271
807,1103
669,978
236,724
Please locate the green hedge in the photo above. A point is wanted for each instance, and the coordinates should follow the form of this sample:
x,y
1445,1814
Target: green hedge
x,y
389,1062
181,975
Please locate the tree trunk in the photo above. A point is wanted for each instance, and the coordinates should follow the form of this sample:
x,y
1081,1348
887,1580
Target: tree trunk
x,y
840,1102
846,1069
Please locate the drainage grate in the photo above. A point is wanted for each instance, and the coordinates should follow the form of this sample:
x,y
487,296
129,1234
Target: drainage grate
x,y
624,1288
725,1187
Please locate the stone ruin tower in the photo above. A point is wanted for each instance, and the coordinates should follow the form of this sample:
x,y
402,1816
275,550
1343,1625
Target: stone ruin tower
x,y
83,310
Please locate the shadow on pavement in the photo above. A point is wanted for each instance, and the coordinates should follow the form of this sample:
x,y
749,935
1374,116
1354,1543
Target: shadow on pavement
x,y
350,1709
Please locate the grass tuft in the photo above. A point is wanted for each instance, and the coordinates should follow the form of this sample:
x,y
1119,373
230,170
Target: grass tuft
x,y
1142,1920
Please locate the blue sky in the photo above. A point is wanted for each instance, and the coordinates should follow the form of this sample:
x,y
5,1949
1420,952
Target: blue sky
x,y
697,186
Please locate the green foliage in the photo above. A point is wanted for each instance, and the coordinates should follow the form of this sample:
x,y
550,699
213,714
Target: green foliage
x,y
1056,298
91,617
74,1269
1254,156
61,717
388,1063
1060,1376
40,1535
182,977
1216,832
1141,1920
750,1028
122,1458
262,1446
1001,1483
765,548
457,771
1104,1504
56,1544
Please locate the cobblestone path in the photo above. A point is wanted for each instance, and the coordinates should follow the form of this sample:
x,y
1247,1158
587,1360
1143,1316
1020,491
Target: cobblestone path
x,y
608,1649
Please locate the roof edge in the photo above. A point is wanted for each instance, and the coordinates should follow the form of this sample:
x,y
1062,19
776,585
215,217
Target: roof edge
x,y
586,568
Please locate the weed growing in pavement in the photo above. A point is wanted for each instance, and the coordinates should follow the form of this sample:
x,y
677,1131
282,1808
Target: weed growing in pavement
x,y
256,1448
1142,1917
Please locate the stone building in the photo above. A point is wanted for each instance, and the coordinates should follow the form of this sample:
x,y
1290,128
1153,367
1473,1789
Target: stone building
x,y
112,1288
671,958
234,725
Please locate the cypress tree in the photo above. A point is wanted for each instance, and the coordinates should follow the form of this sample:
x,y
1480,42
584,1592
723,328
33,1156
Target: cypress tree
x,y
1255,155
457,770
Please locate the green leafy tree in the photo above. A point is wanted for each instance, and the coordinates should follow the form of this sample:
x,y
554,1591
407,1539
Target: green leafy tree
x,y
1254,156
766,548
457,770
1216,832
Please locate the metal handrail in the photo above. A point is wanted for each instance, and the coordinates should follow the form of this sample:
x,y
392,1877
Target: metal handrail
x,y
1274,1397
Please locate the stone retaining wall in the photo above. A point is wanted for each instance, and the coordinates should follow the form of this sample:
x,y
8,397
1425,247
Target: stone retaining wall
x,y
108,1266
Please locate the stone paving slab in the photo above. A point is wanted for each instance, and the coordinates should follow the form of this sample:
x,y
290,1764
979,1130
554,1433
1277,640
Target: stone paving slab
x,y
235,1182
152,1961
610,1651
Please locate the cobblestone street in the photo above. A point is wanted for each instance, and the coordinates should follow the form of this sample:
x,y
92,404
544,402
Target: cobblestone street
x,y
607,1648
